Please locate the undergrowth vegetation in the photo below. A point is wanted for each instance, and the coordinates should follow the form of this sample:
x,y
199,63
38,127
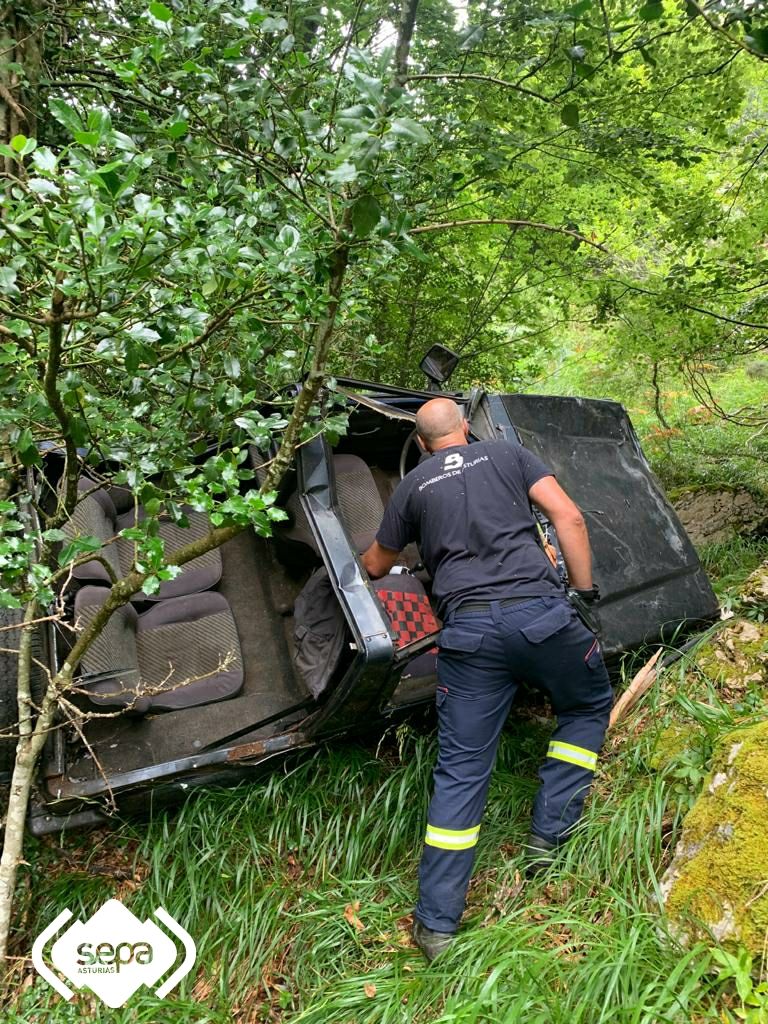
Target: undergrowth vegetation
x,y
685,438
729,562
298,890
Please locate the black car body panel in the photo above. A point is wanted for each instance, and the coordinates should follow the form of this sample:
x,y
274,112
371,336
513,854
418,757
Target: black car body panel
x,y
651,581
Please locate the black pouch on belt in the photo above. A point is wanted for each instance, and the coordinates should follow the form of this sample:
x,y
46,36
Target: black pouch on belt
x,y
583,611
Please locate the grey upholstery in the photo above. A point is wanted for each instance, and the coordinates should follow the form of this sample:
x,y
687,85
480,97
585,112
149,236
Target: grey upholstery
x,y
96,516
360,505
257,462
201,573
183,652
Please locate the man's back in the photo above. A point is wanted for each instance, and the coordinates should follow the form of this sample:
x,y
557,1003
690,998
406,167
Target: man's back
x,y
468,509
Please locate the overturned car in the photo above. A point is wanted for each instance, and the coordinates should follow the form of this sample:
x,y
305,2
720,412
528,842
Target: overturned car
x,y
266,646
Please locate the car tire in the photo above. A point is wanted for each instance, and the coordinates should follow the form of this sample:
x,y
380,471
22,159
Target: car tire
x,y
9,679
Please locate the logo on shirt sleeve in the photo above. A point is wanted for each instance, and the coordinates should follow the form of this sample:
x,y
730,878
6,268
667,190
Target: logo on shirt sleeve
x,y
454,461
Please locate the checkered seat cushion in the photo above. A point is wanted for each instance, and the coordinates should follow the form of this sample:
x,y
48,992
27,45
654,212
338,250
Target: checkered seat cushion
x,y
407,606
95,515
183,652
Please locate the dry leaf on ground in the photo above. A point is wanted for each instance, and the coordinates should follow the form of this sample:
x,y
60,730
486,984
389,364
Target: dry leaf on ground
x,y
350,915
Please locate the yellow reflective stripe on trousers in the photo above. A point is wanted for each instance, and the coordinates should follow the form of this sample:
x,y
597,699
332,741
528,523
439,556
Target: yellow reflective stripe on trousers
x,y
573,755
452,838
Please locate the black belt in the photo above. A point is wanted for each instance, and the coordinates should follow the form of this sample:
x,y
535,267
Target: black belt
x,y
485,606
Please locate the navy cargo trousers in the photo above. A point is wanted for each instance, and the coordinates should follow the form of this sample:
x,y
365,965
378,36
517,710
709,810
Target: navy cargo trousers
x,y
483,654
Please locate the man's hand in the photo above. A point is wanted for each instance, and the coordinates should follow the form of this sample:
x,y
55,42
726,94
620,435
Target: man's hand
x,y
377,560
571,529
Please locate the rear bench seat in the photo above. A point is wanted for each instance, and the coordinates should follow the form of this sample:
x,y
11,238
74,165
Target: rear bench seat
x,y
96,516
144,661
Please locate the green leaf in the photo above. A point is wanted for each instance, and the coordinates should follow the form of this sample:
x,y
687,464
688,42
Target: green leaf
x,y
43,187
274,25
54,536
87,138
79,546
44,160
64,114
758,39
177,129
366,214
407,128
231,366
160,11
342,174
647,57
651,11
22,145
570,115
9,600
288,238
579,8
111,181
8,284
368,152
470,37
151,584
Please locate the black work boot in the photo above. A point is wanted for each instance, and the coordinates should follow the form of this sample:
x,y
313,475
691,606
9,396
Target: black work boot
x,y
430,943
539,854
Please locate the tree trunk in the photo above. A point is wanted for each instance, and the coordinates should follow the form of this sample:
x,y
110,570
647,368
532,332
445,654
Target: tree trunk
x,y
20,47
31,740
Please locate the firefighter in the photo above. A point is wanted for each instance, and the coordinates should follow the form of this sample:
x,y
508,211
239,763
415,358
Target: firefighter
x,y
505,617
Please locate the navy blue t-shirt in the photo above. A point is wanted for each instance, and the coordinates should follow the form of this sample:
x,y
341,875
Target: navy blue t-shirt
x,y
467,508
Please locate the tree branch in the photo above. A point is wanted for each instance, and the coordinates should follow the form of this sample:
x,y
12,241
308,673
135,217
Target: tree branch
x,y
480,222
404,37
473,77
50,375
723,31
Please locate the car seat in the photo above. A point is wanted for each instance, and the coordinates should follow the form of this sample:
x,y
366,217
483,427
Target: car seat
x,y
96,516
182,652
360,505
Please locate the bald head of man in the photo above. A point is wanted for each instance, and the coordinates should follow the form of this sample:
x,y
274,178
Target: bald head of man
x,y
440,423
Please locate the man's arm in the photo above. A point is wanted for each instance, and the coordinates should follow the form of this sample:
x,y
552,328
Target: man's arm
x,y
378,560
571,529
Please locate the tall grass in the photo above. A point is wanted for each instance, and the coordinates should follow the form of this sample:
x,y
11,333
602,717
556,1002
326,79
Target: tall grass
x,y
297,891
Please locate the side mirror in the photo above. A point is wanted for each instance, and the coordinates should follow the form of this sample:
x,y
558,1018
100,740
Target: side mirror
x,y
438,364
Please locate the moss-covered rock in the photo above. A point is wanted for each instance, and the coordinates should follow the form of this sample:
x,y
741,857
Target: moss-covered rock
x,y
735,659
719,873
754,594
